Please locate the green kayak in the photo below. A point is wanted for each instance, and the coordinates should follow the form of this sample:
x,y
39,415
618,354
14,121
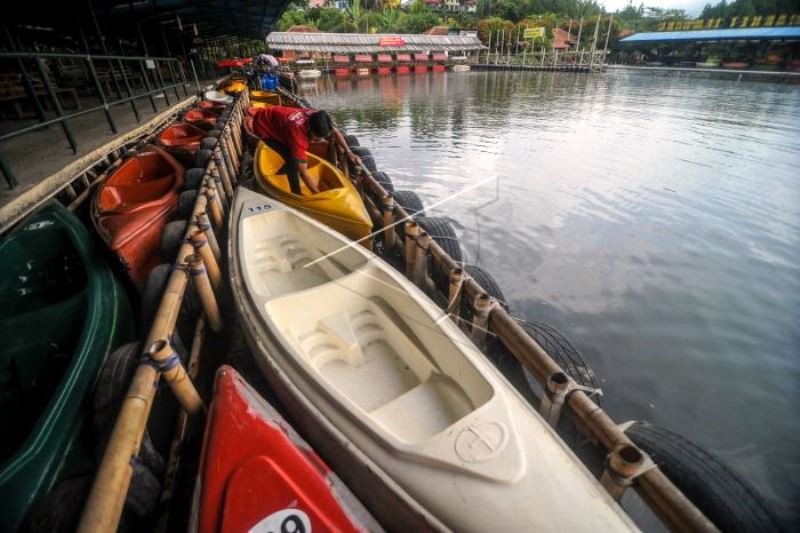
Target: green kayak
x,y
62,313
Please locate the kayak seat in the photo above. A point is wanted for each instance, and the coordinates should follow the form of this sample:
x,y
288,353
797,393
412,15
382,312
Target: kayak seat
x,y
123,197
277,264
358,333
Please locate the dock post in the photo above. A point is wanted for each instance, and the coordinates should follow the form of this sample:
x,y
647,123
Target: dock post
x,y
624,464
213,206
388,222
454,295
205,291
480,320
421,260
172,370
412,232
203,249
204,224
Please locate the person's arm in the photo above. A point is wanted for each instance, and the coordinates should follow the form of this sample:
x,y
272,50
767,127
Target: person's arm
x,y
302,171
342,142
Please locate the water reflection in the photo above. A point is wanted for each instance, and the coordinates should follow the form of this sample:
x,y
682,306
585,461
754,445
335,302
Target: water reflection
x,y
653,219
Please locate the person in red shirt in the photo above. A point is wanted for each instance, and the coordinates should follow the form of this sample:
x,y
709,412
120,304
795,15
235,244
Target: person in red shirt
x,y
288,131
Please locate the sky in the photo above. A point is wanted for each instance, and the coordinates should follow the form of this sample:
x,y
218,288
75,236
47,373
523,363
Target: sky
x,y
693,7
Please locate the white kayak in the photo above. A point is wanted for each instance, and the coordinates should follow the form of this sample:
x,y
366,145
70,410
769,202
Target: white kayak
x,y
392,394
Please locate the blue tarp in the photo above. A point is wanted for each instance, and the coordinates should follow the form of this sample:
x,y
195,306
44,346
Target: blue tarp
x,y
737,34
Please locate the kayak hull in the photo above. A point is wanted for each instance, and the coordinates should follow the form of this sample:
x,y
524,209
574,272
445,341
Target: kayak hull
x,y
254,467
63,313
338,205
392,394
182,141
134,204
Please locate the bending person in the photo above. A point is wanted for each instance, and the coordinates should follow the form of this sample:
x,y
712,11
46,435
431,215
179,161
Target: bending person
x,y
288,131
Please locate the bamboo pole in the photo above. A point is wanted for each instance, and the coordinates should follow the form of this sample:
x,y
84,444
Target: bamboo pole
x,y
202,248
594,43
605,47
480,319
107,496
412,232
204,224
213,205
205,291
388,222
421,259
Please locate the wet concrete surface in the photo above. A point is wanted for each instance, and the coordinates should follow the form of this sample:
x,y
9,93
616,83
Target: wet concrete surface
x,y
36,155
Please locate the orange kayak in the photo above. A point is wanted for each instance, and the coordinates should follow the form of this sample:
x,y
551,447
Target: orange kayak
x,y
202,118
134,204
182,141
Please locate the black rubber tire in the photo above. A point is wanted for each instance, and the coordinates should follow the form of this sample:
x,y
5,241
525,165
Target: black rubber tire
x,y
59,511
151,298
208,143
563,352
352,141
113,382
369,162
385,181
193,178
171,239
186,202
413,206
361,151
489,284
441,230
143,493
726,498
214,133
410,201
202,158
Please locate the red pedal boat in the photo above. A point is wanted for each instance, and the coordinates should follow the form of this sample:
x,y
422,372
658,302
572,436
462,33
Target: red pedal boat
x,y
214,107
134,204
257,474
202,118
182,141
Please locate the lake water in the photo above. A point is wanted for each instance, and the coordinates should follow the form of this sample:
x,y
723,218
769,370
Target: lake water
x,y
654,220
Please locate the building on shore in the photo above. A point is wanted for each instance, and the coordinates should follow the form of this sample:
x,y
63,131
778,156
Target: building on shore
x,y
765,48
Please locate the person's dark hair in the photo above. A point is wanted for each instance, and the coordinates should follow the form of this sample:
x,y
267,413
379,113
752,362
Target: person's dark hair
x,y
319,124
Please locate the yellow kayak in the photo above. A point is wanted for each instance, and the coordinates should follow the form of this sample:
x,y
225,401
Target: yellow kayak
x,y
266,99
234,86
337,205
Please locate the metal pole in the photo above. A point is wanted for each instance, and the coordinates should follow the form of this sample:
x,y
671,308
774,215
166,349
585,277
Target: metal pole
x,y
608,34
161,82
174,80
56,104
25,78
100,93
105,49
128,90
142,39
147,85
594,43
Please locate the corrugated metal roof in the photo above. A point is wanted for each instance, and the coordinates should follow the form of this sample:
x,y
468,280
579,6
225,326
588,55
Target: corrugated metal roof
x,y
737,34
369,43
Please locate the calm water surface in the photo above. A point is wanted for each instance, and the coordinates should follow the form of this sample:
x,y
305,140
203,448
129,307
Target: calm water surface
x,y
655,220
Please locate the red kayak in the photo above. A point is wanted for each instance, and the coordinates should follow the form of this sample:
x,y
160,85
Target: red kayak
x,y
214,107
257,474
134,204
182,141
202,118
